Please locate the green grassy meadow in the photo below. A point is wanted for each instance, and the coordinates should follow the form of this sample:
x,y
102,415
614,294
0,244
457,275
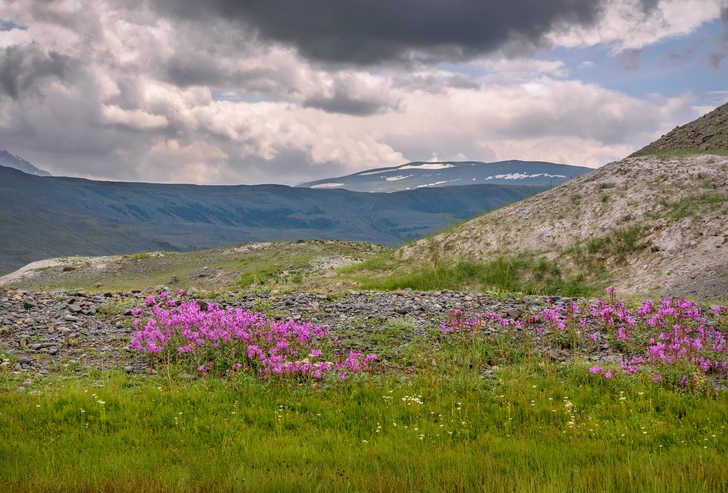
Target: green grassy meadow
x,y
433,425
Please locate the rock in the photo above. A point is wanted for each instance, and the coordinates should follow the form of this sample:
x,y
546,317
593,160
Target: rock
x,y
74,308
71,318
29,303
514,313
53,350
24,360
98,285
28,382
129,369
21,389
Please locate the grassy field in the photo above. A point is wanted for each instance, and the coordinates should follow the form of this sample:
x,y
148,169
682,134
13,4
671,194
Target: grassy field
x,y
433,423
521,274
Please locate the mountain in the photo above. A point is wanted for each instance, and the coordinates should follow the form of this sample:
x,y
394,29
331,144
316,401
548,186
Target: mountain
x,y
420,174
43,217
709,133
10,161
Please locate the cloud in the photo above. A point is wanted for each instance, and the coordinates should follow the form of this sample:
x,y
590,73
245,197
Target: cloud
x,y
135,119
354,94
635,24
24,68
395,30
630,59
127,94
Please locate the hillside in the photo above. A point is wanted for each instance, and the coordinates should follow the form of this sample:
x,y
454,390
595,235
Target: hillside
x,y
645,224
709,133
42,217
412,176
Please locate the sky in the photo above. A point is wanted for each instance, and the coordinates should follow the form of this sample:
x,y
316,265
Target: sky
x,y
260,91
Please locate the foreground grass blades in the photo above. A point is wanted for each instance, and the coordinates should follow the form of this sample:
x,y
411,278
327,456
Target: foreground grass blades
x,y
538,426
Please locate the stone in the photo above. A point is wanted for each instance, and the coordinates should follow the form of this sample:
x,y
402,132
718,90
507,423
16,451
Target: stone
x,y
129,369
70,318
53,350
28,382
29,303
24,360
74,308
514,313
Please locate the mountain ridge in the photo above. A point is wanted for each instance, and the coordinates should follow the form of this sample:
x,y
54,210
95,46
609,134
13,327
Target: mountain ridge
x,y
44,217
426,174
12,161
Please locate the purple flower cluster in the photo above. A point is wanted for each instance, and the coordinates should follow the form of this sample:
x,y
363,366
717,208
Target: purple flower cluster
x,y
669,335
227,341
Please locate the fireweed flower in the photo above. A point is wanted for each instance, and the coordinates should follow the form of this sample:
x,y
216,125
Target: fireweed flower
x,y
243,340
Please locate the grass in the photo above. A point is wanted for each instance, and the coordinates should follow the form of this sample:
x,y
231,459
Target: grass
x,y
534,427
227,268
273,272
521,274
467,411
667,155
689,206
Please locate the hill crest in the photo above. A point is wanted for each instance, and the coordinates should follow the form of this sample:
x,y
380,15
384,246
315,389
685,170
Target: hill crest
x,y
645,224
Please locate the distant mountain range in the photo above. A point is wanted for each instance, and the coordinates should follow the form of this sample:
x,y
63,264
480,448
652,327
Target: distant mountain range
x,y
421,174
42,217
11,161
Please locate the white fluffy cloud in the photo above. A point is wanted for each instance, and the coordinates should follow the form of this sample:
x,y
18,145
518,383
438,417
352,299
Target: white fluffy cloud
x,y
157,99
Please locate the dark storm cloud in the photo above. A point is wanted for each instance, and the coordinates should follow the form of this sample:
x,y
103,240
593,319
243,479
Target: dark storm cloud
x,y
24,68
374,31
349,99
343,104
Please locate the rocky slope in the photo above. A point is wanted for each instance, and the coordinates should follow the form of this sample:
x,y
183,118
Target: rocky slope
x,y
707,133
647,224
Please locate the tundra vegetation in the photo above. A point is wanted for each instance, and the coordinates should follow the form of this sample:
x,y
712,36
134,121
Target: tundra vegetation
x,y
248,401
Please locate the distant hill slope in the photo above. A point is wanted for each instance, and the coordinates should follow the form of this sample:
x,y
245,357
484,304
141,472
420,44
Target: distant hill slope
x,y
42,217
645,224
10,161
420,174
706,134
